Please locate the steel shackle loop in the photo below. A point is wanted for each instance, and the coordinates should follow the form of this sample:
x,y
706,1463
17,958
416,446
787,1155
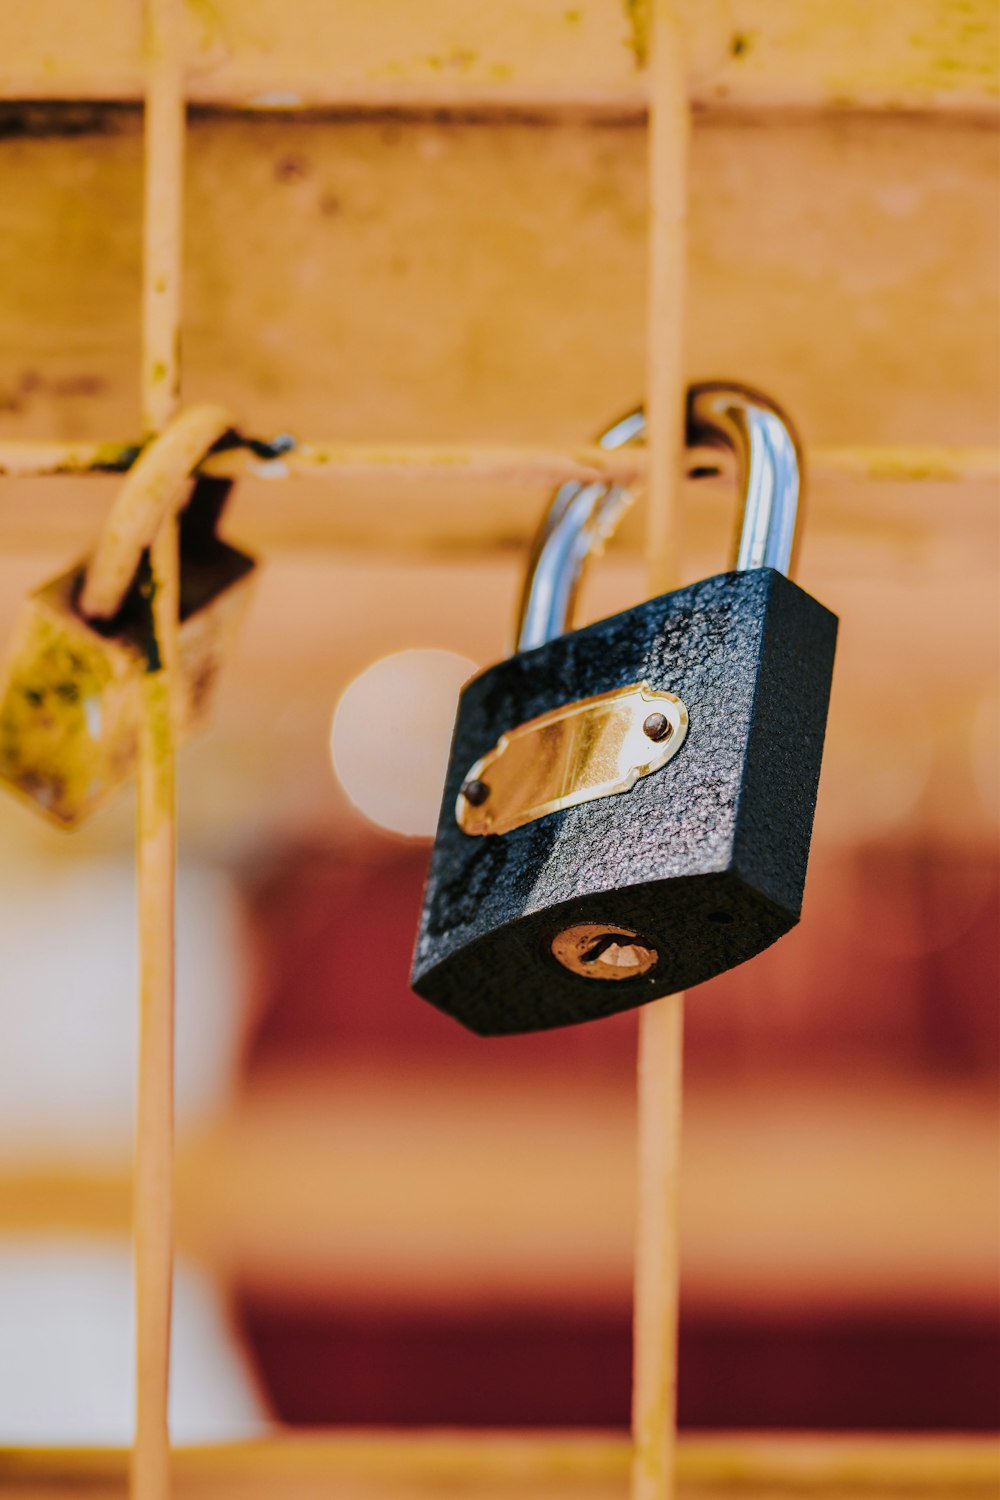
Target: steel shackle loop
x,y
769,467
581,517
154,489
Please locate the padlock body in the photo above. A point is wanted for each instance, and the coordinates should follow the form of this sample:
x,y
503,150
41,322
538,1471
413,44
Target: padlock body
x,y
705,859
71,697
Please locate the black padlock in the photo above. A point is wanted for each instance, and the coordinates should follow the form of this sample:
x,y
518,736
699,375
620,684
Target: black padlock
x,y
628,807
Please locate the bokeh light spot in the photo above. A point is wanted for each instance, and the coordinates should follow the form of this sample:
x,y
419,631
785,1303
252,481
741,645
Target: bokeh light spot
x,y
392,733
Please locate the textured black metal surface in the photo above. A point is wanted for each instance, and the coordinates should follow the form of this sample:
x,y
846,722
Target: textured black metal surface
x,y
706,858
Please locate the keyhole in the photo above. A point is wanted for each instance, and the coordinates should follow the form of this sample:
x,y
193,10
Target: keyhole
x,y
595,951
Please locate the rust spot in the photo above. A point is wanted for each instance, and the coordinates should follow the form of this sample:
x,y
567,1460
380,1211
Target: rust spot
x,y
291,168
32,382
330,205
45,119
77,385
202,685
637,16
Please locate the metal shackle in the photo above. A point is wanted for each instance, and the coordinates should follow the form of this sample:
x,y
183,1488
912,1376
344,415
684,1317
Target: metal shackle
x,y
581,517
155,487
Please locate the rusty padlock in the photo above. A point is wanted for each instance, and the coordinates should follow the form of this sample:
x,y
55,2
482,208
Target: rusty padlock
x,y
70,700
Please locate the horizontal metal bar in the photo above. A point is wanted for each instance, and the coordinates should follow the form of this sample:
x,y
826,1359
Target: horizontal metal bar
x,y
627,103
276,94
293,1464
538,55
515,465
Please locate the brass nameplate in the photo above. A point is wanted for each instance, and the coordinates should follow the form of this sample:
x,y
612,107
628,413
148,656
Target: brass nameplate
x,y
593,748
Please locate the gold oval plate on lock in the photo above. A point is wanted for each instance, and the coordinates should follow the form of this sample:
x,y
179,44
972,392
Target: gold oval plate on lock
x,y
593,748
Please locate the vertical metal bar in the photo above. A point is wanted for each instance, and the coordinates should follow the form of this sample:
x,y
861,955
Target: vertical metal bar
x,y
163,214
668,136
155,837
661,1024
152,1217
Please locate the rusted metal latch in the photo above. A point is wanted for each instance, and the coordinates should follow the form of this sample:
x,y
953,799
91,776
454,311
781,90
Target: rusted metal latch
x,y
70,701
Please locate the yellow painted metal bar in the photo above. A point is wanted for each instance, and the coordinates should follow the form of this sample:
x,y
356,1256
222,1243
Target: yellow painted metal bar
x,y
153,1190
404,462
661,1025
595,1464
528,54
163,216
